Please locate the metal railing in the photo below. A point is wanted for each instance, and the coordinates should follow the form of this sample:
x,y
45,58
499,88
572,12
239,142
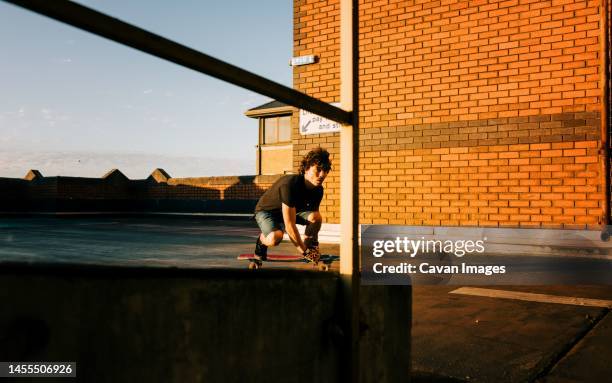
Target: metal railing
x,y
114,29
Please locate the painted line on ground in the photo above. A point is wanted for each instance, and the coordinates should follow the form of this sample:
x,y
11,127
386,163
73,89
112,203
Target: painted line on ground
x,y
532,297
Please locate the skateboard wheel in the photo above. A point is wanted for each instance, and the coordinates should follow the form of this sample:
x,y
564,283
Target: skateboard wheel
x,y
323,267
253,266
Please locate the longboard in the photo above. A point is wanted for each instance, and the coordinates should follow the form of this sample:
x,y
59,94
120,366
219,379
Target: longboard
x,y
324,263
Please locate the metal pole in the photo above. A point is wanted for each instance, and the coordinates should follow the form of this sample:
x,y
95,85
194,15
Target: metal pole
x,y
127,34
349,170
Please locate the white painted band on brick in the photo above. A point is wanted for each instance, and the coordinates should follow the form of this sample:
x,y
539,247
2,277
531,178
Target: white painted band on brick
x,y
532,297
505,241
275,147
329,233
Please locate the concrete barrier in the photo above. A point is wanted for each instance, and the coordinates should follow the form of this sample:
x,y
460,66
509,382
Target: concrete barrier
x,y
171,325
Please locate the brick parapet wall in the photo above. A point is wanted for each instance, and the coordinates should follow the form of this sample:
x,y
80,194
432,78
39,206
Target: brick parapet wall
x,y
89,188
53,192
12,191
42,188
239,187
471,113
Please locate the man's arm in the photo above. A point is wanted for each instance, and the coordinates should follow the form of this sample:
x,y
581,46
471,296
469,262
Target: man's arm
x,y
289,219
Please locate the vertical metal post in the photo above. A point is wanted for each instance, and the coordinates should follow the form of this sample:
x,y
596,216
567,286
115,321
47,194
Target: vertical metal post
x,y
349,169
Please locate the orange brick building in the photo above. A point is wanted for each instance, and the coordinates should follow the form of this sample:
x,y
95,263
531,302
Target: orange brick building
x,y
472,113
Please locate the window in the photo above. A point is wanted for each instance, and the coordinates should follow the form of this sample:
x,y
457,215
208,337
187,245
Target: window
x,y
276,129
284,129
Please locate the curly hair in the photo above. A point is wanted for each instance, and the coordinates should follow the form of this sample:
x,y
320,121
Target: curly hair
x,y
318,157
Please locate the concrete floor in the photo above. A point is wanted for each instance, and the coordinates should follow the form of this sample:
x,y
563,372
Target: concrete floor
x,y
455,338
478,339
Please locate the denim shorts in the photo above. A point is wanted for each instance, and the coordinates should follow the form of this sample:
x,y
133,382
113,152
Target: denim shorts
x,y
270,221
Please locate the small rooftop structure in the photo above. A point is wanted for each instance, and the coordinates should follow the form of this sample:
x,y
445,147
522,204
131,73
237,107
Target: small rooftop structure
x,y
274,147
270,108
33,175
115,175
159,175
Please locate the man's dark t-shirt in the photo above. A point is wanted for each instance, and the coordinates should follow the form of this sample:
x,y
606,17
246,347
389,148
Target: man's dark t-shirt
x,y
290,190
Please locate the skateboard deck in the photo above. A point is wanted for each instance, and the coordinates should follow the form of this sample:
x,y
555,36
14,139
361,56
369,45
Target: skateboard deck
x,y
324,263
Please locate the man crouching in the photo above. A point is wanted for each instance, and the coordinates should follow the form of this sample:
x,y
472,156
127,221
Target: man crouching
x,y
294,199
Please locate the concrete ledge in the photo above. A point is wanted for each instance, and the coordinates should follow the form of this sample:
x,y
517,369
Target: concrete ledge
x,y
169,325
126,324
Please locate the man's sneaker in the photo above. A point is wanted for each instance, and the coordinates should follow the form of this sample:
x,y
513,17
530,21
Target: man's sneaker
x,y
261,250
311,244
312,255
315,245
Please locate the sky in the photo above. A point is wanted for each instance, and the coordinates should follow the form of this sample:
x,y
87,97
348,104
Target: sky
x,y
75,104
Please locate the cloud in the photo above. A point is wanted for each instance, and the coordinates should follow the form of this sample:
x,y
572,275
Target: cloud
x,y
134,165
223,101
65,60
147,91
51,117
48,116
255,101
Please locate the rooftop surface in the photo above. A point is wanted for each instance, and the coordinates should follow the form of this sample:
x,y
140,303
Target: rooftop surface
x,y
137,240
455,337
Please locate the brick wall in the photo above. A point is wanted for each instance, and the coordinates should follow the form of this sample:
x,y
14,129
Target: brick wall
x,y
471,113
317,32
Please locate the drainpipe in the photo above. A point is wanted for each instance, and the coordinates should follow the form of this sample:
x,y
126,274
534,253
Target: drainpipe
x,y
606,115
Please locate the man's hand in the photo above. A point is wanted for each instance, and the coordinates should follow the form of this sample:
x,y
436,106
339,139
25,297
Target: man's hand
x,y
312,255
289,214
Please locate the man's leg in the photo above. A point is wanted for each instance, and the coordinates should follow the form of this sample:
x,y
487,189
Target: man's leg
x,y
313,221
271,232
272,239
